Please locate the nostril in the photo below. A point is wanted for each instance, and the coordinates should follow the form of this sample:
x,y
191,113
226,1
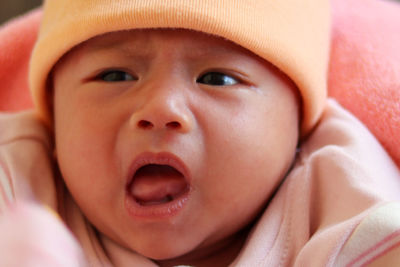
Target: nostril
x,y
173,125
145,124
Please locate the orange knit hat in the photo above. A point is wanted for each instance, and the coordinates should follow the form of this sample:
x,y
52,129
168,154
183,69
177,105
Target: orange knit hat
x,y
291,34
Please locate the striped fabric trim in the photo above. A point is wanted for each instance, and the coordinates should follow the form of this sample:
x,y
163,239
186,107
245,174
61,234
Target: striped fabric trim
x,y
376,235
378,250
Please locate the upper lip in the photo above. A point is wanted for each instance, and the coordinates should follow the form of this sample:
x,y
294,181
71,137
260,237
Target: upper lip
x,y
161,158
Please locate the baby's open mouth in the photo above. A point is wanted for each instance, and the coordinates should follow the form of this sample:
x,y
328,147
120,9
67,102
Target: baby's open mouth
x,y
155,184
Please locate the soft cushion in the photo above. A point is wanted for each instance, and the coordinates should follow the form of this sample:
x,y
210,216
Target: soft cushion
x,y
364,71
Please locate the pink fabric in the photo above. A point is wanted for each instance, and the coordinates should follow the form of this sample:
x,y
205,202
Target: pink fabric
x,y
17,40
365,65
364,70
24,243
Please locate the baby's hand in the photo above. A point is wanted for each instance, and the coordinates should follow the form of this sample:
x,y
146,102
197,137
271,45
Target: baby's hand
x,y
31,235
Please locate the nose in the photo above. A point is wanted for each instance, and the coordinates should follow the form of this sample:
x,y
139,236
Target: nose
x,y
163,108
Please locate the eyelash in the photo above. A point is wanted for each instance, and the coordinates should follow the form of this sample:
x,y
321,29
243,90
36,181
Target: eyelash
x,y
212,78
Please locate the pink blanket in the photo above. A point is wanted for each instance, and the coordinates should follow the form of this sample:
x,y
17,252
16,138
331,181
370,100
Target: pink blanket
x,y
365,66
364,71
16,42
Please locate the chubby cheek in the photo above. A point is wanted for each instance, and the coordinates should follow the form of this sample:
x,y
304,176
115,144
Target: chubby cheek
x,y
249,153
84,150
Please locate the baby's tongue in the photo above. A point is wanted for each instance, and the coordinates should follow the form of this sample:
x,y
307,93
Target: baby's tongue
x,y
156,184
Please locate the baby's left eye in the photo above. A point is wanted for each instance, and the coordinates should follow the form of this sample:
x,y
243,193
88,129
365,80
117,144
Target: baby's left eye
x,y
217,79
116,76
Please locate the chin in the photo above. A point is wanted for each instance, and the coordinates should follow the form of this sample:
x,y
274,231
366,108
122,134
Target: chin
x,y
159,250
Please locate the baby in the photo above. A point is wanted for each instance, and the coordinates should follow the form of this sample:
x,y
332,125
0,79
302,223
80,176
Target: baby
x,y
157,119
191,133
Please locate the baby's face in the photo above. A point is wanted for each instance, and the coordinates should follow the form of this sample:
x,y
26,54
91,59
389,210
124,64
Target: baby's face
x,y
171,141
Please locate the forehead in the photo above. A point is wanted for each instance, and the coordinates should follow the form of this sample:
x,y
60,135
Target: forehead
x,y
149,42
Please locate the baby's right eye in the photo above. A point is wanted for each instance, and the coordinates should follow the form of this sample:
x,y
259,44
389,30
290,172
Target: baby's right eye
x,y
116,76
217,79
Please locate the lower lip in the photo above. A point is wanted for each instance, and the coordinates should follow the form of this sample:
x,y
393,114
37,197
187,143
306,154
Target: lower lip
x,y
155,212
